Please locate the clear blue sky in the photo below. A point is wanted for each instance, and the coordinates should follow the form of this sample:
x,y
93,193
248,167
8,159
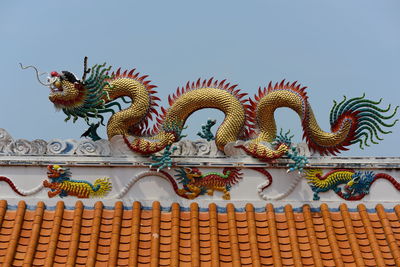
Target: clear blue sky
x,y
335,48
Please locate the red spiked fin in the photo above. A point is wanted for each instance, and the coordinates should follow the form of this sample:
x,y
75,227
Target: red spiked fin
x,y
170,101
150,86
156,98
210,81
131,72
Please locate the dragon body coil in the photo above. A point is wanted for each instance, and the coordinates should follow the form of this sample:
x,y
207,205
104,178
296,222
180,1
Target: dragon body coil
x,y
83,189
329,180
356,120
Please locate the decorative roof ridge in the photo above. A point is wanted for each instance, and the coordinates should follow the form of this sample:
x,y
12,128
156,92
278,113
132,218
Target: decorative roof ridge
x,y
115,147
85,152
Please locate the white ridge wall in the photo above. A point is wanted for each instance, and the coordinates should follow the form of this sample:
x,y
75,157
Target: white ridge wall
x,y
24,163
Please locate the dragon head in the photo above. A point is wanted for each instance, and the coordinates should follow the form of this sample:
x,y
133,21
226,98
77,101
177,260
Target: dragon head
x,y
66,91
84,98
187,175
193,173
360,183
58,173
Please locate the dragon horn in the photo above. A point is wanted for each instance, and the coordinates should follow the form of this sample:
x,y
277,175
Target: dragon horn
x,y
85,69
37,73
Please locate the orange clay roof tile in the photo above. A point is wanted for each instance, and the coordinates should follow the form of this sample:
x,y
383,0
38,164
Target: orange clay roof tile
x,y
194,236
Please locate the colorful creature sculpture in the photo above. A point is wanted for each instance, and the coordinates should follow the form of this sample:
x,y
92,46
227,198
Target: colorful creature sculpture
x,y
195,183
356,184
62,185
353,121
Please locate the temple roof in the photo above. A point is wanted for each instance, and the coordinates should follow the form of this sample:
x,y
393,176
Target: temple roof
x,y
193,236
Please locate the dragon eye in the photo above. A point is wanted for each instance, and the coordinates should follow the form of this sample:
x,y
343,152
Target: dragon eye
x,y
56,167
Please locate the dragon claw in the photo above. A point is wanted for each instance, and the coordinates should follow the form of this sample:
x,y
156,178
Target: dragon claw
x,y
165,160
206,130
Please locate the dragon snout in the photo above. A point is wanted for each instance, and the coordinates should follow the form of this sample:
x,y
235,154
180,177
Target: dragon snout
x,y
196,171
55,83
53,171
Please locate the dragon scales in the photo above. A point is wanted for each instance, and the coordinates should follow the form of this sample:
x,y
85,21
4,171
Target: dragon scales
x,y
356,120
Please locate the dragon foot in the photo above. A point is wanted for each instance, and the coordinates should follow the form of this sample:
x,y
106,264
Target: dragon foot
x,y
91,132
206,130
165,160
299,161
316,196
52,194
226,196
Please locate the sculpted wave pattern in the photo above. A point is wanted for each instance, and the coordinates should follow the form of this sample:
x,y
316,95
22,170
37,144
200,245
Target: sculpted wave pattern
x,y
10,146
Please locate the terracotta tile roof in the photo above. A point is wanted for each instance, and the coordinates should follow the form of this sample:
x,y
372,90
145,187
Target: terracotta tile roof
x,y
213,236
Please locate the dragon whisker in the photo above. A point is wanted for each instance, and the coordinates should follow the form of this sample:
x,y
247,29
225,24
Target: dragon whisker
x,y
37,73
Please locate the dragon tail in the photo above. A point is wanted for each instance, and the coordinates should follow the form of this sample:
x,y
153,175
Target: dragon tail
x,y
12,185
234,175
173,183
357,120
102,186
385,176
314,177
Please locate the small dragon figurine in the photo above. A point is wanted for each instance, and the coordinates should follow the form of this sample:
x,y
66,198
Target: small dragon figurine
x,y
356,184
61,184
196,183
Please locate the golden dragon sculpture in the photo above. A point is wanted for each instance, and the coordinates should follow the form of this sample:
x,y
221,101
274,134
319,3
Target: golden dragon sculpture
x,y
356,120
